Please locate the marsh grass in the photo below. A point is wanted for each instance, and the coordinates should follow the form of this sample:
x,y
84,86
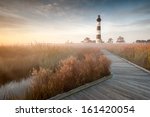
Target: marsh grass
x,y
42,71
89,65
136,53
17,62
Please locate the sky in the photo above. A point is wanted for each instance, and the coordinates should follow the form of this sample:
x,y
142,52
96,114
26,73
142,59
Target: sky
x,y
57,21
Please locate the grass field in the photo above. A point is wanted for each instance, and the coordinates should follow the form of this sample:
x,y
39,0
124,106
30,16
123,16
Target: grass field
x,y
17,62
136,53
52,69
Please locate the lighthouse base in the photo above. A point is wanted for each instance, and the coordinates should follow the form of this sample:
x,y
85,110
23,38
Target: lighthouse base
x,y
99,41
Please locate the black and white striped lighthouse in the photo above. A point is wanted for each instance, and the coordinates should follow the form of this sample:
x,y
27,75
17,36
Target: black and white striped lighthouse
x,y
98,36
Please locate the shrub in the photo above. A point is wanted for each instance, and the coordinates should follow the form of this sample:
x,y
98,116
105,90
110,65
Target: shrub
x,y
70,73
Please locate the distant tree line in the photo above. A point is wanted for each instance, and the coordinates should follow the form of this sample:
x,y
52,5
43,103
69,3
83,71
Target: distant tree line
x,y
143,41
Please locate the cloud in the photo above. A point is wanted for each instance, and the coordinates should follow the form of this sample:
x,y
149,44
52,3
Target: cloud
x,y
136,10
142,9
38,9
47,9
7,21
50,11
143,22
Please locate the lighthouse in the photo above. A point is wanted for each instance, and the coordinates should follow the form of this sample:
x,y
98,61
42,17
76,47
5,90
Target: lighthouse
x,y
98,36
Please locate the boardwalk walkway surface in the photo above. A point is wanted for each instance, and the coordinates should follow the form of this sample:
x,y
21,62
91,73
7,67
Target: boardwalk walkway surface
x,y
127,82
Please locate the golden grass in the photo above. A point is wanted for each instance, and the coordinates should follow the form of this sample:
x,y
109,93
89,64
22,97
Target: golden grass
x,y
52,69
88,65
17,62
136,53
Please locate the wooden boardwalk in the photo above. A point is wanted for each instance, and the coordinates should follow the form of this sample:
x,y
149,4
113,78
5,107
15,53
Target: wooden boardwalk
x,y
127,82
